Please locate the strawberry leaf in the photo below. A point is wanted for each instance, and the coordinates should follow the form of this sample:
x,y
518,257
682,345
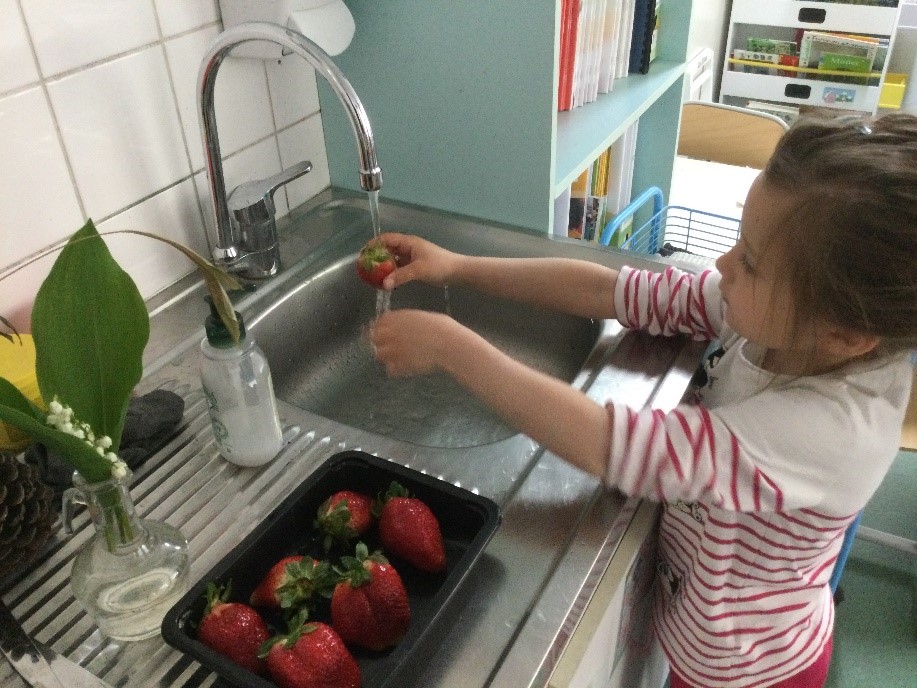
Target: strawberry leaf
x,y
304,580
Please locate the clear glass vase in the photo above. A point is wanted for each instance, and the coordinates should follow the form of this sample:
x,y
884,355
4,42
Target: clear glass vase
x,y
132,570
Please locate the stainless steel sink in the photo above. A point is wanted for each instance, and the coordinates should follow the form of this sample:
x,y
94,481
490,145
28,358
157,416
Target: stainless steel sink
x,y
559,527
314,336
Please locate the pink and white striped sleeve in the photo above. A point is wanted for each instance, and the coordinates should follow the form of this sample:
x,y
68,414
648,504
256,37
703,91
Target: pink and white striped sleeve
x,y
670,302
688,453
685,454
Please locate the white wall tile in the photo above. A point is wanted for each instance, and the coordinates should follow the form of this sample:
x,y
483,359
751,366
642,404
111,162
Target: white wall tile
x,y
121,130
243,106
73,34
37,198
152,264
18,292
178,16
305,141
15,53
116,139
294,93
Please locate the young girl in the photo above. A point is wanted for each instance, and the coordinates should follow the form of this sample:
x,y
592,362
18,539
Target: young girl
x,y
799,416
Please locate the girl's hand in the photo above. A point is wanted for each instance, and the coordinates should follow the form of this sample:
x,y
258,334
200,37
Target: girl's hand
x,y
412,342
418,259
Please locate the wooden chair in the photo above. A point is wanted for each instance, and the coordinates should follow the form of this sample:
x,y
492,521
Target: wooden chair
x,y
727,134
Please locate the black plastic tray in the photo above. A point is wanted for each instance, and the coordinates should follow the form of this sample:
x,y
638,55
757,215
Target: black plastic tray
x,y
467,522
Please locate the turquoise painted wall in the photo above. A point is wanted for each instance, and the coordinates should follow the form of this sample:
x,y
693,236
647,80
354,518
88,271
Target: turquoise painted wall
x,y
461,100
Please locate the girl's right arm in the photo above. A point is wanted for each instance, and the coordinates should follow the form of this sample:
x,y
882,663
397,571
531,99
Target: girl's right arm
x,y
570,286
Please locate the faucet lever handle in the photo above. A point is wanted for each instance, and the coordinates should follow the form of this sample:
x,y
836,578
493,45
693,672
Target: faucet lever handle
x,y
253,202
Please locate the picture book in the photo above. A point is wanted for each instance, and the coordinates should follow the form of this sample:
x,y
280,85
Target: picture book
x,y
814,44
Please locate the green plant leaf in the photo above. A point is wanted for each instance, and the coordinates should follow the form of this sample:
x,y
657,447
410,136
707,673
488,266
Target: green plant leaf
x,y
90,326
216,279
18,411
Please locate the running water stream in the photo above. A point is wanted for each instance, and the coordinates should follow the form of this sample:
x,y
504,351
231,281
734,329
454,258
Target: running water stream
x,y
383,296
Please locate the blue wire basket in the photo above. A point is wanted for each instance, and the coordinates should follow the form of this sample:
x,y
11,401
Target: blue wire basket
x,y
671,229
676,228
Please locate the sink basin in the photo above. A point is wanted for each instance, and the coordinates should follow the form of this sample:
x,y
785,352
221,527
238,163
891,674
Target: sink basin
x,y
314,336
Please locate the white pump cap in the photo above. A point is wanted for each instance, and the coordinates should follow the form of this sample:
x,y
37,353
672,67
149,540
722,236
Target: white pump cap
x,y
327,22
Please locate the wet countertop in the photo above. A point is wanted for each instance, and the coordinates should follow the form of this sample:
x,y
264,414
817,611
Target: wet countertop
x,y
514,613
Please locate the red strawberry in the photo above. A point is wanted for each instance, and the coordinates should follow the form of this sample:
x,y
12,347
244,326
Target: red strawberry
x,y
233,629
369,606
312,655
344,516
408,529
293,582
374,264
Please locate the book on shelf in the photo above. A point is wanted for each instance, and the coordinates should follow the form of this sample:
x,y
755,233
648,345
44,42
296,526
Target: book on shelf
x,y
609,41
569,14
601,190
599,42
561,213
654,42
577,212
641,44
596,197
815,44
625,33
771,58
788,113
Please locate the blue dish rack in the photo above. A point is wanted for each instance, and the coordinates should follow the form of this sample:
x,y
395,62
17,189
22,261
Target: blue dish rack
x,y
672,229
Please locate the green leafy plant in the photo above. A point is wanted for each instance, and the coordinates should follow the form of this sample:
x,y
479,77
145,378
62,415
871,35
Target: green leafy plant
x,y
90,327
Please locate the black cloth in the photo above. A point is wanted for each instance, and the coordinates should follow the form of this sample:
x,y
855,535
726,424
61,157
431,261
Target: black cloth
x,y
151,421
668,249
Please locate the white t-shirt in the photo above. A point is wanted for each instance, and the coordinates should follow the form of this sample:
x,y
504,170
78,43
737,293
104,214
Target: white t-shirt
x,y
760,478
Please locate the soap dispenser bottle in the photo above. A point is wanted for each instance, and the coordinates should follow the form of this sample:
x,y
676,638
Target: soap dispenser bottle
x,y
237,383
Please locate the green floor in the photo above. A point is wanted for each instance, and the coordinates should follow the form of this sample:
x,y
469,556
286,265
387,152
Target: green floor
x,y
875,641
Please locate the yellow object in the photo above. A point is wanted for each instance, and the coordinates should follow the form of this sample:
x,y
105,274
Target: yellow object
x,y
17,364
892,93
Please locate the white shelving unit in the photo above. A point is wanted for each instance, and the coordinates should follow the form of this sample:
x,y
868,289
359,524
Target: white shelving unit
x,y
781,20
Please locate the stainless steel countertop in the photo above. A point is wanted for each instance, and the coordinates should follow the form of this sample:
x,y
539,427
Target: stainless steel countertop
x,y
515,612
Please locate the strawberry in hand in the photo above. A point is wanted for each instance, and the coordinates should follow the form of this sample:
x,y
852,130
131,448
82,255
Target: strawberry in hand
x,y
311,655
344,516
375,263
409,530
233,629
369,606
293,583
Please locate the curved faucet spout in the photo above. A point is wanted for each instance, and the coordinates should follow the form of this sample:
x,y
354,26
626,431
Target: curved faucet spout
x,y
230,246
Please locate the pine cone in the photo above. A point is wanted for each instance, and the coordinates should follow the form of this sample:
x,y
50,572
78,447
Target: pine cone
x,y
27,514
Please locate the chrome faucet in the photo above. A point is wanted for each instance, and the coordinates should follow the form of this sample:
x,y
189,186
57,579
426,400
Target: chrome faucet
x,y
246,240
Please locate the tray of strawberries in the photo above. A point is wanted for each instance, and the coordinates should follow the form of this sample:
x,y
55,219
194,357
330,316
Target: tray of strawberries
x,y
340,583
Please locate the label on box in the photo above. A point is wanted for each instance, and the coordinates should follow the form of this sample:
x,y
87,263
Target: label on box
x,y
834,94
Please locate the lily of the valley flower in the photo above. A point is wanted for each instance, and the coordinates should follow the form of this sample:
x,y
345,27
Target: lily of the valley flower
x,y
61,417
